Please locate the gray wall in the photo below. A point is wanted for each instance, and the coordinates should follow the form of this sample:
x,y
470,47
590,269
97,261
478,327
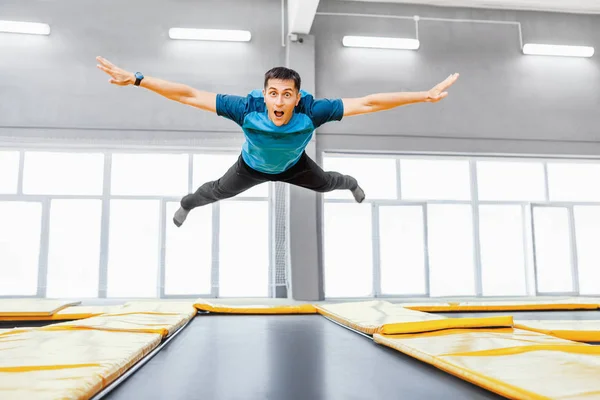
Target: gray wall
x,y
504,101
52,82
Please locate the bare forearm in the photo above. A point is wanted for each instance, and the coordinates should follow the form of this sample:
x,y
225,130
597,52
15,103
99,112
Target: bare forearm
x,y
171,90
386,101
181,93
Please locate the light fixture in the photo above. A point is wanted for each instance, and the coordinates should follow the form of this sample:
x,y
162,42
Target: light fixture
x,y
210,34
31,28
381,42
556,50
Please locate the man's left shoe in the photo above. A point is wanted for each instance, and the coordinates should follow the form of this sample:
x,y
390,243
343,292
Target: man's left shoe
x,y
359,194
180,216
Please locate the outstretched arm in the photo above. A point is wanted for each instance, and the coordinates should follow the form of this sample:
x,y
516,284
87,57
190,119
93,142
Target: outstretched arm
x,y
385,101
171,90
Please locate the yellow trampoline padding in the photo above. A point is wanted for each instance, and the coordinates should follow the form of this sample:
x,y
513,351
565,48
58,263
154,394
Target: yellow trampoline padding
x,y
69,313
81,312
383,317
511,362
159,307
42,364
161,324
575,303
32,307
576,330
255,308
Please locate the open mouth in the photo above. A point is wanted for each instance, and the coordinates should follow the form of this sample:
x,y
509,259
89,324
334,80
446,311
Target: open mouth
x,y
278,114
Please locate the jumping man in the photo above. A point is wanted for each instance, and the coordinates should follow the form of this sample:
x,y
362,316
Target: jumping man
x,y
278,123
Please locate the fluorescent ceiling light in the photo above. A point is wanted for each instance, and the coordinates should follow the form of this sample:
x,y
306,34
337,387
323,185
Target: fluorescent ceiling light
x,y
554,50
32,28
380,42
210,34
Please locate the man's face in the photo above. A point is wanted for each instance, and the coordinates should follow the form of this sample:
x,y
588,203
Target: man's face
x,y
281,97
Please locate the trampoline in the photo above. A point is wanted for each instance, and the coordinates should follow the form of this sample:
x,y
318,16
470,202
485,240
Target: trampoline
x,y
285,357
345,350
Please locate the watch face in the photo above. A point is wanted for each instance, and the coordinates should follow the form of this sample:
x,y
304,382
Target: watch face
x,y
138,75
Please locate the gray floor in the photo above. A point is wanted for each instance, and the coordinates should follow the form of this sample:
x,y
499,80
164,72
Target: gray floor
x,y
285,357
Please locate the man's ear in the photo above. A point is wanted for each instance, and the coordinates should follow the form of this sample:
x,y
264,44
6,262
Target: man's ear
x,y
299,96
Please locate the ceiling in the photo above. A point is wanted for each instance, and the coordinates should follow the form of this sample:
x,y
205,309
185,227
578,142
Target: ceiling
x,y
567,6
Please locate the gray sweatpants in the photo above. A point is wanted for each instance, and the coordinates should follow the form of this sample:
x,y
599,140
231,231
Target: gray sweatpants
x,y
240,177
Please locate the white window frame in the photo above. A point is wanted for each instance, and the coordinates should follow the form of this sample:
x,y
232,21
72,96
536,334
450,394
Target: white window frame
x,y
106,197
475,203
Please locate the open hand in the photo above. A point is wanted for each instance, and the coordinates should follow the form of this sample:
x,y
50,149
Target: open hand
x,y
439,91
118,76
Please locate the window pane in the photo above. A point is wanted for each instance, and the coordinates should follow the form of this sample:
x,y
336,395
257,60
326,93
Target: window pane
x,y
149,174
552,249
574,182
435,179
210,167
450,236
348,250
510,181
502,253
402,250
244,249
9,177
20,232
188,253
63,173
377,176
74,248
133,248
587,229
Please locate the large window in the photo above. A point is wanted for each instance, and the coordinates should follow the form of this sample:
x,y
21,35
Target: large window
x,y
63,173
463,226
98,223
74,248
450,237
244,249
188,252
348,251
9,165
19,247
402,250
502,250
133,255
149,174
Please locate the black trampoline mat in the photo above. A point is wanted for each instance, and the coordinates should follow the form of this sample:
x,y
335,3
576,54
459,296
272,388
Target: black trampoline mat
x,y
285,357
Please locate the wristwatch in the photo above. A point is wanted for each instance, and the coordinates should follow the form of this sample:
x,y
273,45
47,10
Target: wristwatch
x,y
138,78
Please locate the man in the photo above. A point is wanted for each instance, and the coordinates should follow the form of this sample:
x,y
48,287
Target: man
x,y
278,123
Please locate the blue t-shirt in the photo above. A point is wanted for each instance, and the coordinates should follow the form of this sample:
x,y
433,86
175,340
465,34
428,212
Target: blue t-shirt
x,y
269,148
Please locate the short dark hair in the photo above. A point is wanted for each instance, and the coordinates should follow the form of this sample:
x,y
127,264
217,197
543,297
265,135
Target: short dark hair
x,y
283,73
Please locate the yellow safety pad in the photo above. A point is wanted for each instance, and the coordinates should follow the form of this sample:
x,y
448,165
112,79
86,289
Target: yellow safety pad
x,y
40,364
203,305
511,362
81,312
577,330
161,324
32,307
533,305
160,307
69,313
383,317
